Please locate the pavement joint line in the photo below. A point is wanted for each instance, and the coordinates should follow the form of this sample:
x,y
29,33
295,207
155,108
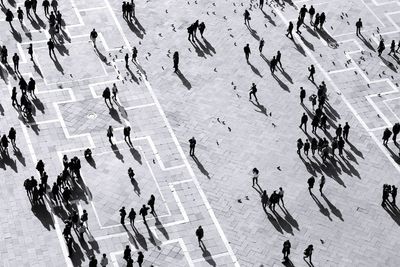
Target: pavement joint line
x,y
180,150
92,9
384,3
373,13
21,54
388,16
341,70
378,111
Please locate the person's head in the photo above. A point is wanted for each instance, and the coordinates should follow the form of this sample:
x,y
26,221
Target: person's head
x,y
123,208
104,255
280,188
127,246
265,192
359,19
84,211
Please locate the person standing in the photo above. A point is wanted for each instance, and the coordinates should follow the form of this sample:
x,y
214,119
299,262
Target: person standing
x,y
32,87
395,130
20,15
306,147
127,60
381,47
192,146
299,145
386,135
302,95
394,194
346,129
93,261
85,218
200,235
107,96
12,136
359,26
247,52
132,216
202,27
122,214
298,25
392,48
134,54
15,60
127,253
321,184
151,203
253,91
340,146
304,120
280,195
322,19
247,18
144,211
30,51
286,249
310,182
104,261
311,11
176,61
308,252
50,45
255,176
46,5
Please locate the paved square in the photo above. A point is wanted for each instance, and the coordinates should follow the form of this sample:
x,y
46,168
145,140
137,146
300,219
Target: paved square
x,y
207,99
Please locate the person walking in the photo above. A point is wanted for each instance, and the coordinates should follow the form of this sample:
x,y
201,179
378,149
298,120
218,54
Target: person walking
x,y
132,216
255,176
340,144
104,260
261,45
359,26
392,48
127,253
308,252
280,195
200,235
12,136
46,5
299,145
134,54
311,70
381,47
85,218
107,96
310,182
385,195
144,211
15,60
151,203
31,87
298,25
304,120
122,214
114,91
50,45
395,130
192,146
311,11
93,37
247,52
93,261
346,129
176,61
386,135
394,194
278,59
322,19
314,145
9,17
286,250
261,4
127,135
110,134
306,147
140,258
264,199
247,18
253,92
20,15
290,30
30,51
321,184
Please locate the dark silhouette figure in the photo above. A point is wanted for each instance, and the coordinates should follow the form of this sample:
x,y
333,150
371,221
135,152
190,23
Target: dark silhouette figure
x,y
176,61
359,26
310,182
247,52
200,235
192,146
386,135
308,252
286,250
253,91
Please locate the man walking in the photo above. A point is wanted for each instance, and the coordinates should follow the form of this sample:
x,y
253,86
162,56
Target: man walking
x,y
93,37
144,211
321,183
346,129
311,69
247,52
310,182
253,91
200,235
127,135
359,25
122,213
304,120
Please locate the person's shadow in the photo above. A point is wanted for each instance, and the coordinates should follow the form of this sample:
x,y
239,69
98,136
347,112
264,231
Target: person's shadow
x,y
201,167
332,207
207,255
161,228
185,82
41,212
118,154
136,187
321,207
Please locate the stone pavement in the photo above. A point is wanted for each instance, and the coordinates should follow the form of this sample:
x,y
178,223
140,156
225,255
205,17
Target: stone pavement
x,y
347,225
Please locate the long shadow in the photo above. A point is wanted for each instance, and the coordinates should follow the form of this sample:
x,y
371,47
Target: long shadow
x,y
136,155
255,70
136,187
331,171
321,207
152,238
1,110
268,17
114,114
134,29
6,160
17,36
290,219
4,74
132,75
351,157
281,84
34,24
12,3
140,27
40,22
201,167
62,49
57,64
284,224
60,212
262,109
161,228
118,154
185,82
329,39
199,52
44,216
253,33
38,104
203,48
311,31
307,43
352,169
207,256
333,208
37,69
77,257
299,48
274,222
141,240
91,162
19,156
308,166
389,64
26,31
209,46
131,238
355,150
287,76
367,43
395,156
393,212
288,263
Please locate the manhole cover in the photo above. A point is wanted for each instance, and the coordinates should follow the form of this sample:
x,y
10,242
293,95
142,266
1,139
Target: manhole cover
x,y
92,115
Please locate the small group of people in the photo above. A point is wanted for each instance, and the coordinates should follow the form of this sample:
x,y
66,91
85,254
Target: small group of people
x,y
286,251
144,210
12,135
128,10
318,23
128,257
192,30
387,133
393,49
389,190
